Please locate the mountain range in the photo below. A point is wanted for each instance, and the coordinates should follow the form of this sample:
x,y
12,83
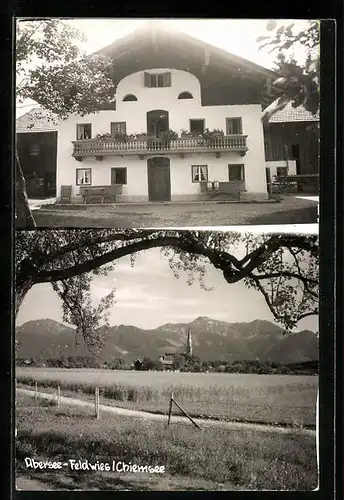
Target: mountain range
x,y
212,340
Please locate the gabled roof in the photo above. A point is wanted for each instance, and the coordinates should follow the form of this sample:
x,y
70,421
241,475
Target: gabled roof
x,y
36,120
290,114
151,35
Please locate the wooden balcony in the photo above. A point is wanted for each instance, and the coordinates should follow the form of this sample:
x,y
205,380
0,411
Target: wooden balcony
x,y
112,147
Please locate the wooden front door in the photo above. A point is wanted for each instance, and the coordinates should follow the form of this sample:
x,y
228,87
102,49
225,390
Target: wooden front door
x,y
159,182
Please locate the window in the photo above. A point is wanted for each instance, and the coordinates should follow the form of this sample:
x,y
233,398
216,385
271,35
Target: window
x,y
83,177
157,79
281,171
130,97
34,149
185,95
199,173
119,175
118,128
233,126
83,131
236,172
197,126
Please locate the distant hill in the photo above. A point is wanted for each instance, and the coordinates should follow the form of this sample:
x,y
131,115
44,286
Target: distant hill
x,y
212,340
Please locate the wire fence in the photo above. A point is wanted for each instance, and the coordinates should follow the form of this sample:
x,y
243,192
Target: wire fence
x,y
260,412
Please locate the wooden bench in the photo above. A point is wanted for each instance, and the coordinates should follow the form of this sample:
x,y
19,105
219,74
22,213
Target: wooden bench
x,y
229,189
100,194
298,182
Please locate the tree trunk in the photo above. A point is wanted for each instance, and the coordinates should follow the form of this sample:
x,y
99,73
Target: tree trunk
x,y
21,290
24,218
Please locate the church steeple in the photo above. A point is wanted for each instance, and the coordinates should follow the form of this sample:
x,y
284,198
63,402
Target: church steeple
x,y
189,344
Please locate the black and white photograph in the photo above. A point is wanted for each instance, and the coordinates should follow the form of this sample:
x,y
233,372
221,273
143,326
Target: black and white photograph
x,y
150,123
166,360
166,332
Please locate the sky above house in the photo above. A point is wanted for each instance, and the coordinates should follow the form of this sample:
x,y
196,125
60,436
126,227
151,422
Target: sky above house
x,y
237,36
148,295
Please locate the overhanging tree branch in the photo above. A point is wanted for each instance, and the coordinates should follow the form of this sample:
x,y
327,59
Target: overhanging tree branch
x,y
290,289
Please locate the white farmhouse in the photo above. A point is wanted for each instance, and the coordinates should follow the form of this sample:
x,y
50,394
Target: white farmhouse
x,y
186,126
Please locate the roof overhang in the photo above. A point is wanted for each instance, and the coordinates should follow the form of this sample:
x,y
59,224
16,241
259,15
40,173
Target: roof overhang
x,y
204,56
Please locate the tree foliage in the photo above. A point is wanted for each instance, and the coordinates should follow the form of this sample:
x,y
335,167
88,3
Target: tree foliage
x,y
299,83
282,267
79,311
53,70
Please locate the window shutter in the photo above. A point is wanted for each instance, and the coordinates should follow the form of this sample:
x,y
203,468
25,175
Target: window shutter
x,y
239,126
147,80
167,79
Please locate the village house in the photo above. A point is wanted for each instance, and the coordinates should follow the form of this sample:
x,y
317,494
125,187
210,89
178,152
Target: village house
x,y
169,359
292,146
185,126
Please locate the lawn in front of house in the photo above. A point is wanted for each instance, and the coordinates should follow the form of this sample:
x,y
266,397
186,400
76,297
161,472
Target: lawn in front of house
x,y
291,210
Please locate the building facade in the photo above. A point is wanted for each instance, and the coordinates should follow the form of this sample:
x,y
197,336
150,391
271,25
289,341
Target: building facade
x,y
158,149
185,125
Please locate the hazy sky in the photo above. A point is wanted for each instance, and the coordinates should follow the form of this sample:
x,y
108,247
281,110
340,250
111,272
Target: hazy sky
x,y
237,36
148,295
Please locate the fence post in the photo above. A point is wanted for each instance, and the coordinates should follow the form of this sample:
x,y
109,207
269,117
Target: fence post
x,y
170,409
96,402
187,415
58,395
36,392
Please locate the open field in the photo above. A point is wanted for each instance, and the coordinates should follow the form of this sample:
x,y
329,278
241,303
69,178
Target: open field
x,y
277,399
211,459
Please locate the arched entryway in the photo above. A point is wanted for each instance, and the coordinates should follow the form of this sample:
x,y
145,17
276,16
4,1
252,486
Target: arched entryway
x,y
159,180
157,122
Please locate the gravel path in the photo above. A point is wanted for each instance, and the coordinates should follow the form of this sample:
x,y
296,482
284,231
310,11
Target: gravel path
x,y
176,418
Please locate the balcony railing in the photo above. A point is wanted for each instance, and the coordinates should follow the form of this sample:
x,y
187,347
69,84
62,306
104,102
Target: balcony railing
x,y
104,147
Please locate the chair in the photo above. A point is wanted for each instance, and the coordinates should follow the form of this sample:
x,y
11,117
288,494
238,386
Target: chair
x,y
66,193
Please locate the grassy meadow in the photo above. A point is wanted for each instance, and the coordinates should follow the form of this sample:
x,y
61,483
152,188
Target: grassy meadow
x,y
211,459
275,399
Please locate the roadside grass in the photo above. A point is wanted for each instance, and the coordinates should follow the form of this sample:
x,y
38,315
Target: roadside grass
x,y
284,401
207,459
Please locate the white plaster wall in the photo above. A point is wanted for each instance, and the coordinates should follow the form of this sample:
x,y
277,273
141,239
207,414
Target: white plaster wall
x,y
180,112
137,179
254,160
181,176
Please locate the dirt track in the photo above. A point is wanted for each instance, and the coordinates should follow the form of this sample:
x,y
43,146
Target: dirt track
x,y
176,418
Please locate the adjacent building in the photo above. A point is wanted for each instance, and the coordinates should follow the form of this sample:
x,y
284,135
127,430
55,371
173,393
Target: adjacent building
x,y
292,145
36,142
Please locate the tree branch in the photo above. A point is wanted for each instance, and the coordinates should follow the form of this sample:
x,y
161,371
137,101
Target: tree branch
x,y
90,242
